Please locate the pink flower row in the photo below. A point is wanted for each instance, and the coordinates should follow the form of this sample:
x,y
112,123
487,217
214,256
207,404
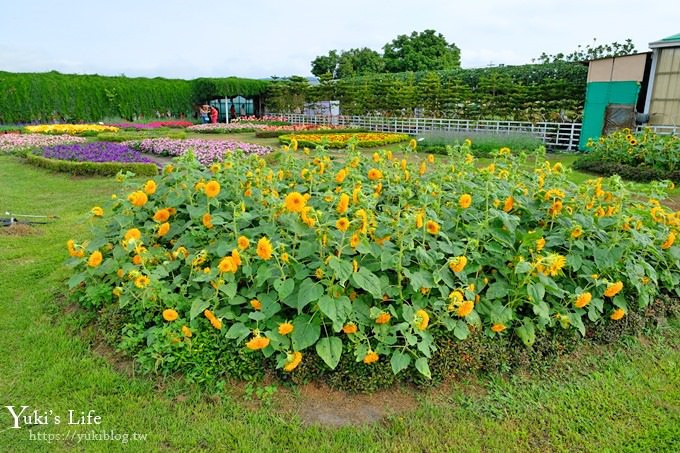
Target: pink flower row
x,y
206,151
17,142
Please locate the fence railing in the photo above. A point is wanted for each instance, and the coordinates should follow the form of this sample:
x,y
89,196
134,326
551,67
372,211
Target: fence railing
x,y
661,130
563,136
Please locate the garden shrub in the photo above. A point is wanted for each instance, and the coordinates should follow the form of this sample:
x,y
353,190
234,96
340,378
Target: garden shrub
x,y
642,173
396,265
92,168
646,150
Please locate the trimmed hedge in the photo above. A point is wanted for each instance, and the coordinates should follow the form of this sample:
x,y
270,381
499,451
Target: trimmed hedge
x,y
91,168
535,92
54,97
640,173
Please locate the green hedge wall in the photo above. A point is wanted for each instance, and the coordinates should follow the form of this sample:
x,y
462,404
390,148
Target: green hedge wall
x,y
49,97
538,92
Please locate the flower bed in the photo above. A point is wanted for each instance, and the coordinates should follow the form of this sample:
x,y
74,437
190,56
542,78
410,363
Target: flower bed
x,y
370,260
342,140
206,151
644,156
225,128
267,119
153,125
277,131
70,129
95,152
11,143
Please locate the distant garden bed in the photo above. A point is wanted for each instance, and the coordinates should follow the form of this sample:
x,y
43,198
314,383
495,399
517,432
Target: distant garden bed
x,y
277,131
639,157
20,143
225,128
70,129
206,151
481,144
97,158
342,140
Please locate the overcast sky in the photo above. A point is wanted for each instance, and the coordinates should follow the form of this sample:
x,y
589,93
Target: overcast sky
x,y
259,39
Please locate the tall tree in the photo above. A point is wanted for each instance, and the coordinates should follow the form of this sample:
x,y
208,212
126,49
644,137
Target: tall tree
x,y
590,52
325,64
349,63
421,51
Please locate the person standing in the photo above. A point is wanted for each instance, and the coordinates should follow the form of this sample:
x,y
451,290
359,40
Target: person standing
x,y
203,111
213,114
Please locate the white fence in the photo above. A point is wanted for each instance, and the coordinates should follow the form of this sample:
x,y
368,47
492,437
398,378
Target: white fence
x,y
661,130
564,136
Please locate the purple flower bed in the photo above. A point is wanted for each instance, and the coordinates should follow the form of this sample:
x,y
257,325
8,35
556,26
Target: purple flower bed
x,y
206,151
95,152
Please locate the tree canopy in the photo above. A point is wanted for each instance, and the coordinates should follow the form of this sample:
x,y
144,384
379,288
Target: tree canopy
x,y
350,63
419,51
424,51
591,52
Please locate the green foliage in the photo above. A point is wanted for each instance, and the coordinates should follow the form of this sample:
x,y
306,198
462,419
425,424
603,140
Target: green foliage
x,y
653,156
348,63
592,51
287,94
205,89
546,92
421,51
50,97
91,168
592,164
483,144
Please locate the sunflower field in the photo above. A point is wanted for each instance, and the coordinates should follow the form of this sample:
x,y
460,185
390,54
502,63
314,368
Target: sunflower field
x,y
343,140
368,257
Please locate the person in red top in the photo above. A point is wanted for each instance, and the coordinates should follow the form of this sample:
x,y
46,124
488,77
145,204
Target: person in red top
x,y
213,114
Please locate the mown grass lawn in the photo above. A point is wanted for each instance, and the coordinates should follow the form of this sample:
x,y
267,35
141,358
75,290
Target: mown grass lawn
x,y
625,397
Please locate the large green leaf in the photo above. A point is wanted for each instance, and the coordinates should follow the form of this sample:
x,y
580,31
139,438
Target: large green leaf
x,y
305,333
309,291
497,290
238,331
343,269
197,307
368,281
526,333
536,292
330,350
399,361
284,287
423,367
